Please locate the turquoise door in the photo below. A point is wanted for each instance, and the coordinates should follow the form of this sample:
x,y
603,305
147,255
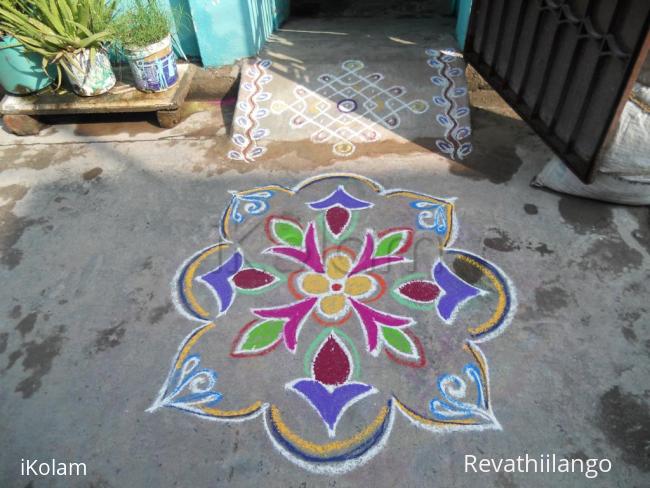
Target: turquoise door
x,y
462,9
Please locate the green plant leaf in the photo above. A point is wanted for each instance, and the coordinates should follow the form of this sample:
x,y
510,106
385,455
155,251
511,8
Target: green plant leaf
x,y
261,336
143,23
398,340
56,29
93,41
83,14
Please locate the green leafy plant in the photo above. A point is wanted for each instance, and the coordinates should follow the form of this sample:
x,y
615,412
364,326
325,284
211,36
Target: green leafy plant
x,y
59,29
144,22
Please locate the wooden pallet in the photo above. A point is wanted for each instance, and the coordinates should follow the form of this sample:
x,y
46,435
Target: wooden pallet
x,y
20,113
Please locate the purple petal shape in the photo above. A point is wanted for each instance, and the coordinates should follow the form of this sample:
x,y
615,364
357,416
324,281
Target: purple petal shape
x,y
219,280
330,405
456,290
342,198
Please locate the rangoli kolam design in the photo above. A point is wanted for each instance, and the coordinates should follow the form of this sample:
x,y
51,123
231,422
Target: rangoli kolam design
x,y
348,107
329,309
350,103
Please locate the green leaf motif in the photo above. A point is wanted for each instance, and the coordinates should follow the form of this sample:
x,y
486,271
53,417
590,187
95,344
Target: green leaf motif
x,y
288,232
262,335
398,340
391,243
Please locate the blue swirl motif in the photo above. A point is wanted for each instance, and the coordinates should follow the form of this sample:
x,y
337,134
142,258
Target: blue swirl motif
x,y
432,216
191,388
451,406
250,203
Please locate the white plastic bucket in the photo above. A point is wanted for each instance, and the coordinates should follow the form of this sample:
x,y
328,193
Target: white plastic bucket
x,y
153,66
89,79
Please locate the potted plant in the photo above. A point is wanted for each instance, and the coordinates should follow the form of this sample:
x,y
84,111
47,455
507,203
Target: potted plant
x,y
144,33
21,71
70,34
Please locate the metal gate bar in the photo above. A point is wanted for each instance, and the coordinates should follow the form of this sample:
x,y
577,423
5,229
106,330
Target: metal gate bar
x,y
564,65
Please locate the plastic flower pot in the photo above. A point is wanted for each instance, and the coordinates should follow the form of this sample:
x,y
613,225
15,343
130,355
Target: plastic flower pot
x,y
153,66
90,75
21,71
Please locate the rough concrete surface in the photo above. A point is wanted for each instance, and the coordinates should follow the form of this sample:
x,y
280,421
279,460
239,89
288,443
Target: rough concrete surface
x,y
214,83
95,219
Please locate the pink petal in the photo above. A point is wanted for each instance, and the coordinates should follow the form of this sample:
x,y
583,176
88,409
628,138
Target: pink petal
x,y
367,262
295,313
309,256
371,319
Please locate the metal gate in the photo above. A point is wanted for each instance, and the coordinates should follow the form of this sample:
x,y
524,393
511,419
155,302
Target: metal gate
x,y
563,65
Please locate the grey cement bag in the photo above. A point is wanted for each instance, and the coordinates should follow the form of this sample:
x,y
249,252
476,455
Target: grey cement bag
x,y
628,153
623,167
607,187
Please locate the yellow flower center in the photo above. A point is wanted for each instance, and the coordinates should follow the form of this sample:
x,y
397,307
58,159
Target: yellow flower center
x,y
335,285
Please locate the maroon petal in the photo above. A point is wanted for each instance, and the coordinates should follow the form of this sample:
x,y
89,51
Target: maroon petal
x,y
331,364
420,291
337,219
251,279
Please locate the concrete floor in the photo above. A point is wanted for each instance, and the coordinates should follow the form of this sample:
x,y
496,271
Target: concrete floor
x,y
95,218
